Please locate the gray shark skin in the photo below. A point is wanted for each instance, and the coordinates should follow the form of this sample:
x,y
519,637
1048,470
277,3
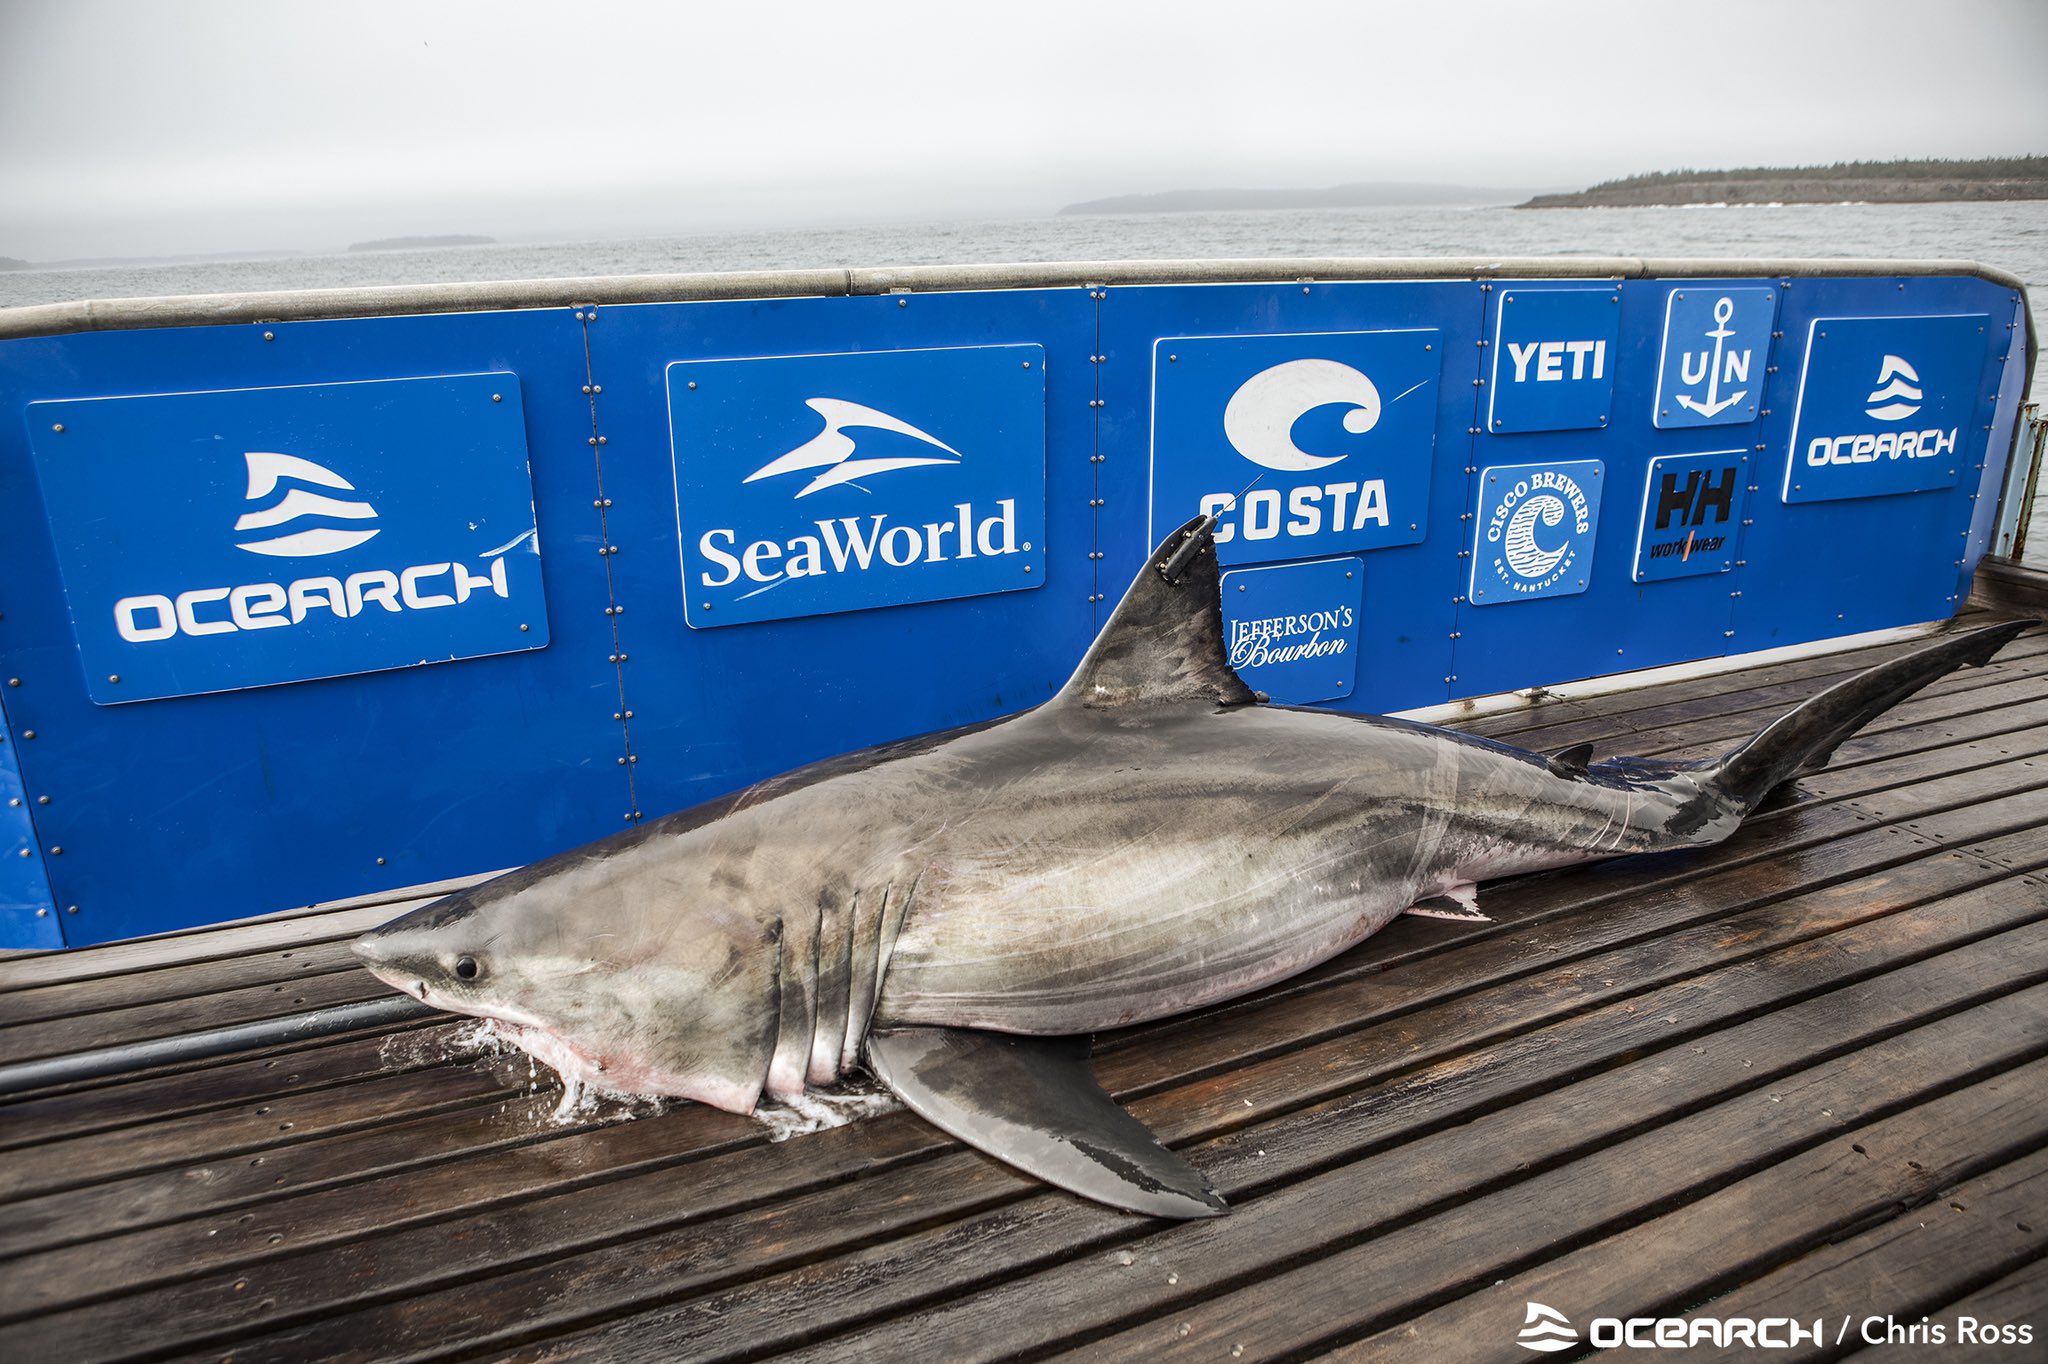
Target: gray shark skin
x,y
956,910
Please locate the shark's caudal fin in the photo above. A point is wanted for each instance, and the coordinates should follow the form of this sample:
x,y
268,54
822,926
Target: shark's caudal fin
x,y
1804,738
1163,644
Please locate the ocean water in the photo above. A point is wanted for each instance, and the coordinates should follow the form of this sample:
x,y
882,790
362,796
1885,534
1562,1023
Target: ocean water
x,y
2009,236
2013,237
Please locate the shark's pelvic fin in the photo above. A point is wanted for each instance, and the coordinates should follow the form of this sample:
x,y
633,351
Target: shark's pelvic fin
x,y
1459,902
1163,644
1033,1102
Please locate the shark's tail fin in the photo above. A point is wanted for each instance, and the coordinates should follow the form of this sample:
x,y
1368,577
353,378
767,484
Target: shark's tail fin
x,y
1804,738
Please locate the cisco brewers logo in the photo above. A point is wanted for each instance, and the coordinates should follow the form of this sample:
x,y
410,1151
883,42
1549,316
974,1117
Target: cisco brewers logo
x,y
217,609
1895,397
1536,528
1259,422
267,469
811,484
1545,1329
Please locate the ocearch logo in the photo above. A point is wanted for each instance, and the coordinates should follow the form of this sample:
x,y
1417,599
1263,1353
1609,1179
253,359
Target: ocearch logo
x,y
267,469
146,617
1898,399
1545,1329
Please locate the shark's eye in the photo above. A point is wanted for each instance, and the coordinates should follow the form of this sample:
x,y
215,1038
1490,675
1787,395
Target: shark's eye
x,y
467,968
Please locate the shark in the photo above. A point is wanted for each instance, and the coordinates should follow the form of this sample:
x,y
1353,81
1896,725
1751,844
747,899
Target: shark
x,y
957,914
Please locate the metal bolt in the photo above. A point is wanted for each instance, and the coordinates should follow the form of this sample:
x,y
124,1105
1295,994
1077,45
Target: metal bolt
x,y
597,388
42,914
693,383
586,388
1169,360
523,627
632,758
602,440
28,734
56,852
114,677
380,861
42,800
71,909
497,397
58,427
903,303
270,336
1027,364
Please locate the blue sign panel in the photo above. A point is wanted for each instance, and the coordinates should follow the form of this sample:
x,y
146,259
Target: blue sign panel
x,y
239,538
811,484
1715,342
1885,406
1536,524
1553,359
1692,514
1293,628
1334,430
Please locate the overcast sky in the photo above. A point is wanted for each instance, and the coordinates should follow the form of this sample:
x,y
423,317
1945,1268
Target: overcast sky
x,y
216,125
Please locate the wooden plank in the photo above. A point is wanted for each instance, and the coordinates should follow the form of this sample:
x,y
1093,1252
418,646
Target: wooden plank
x,y
59,1036
1936,1238
103,994
595,1278
2020,1298
1311,1306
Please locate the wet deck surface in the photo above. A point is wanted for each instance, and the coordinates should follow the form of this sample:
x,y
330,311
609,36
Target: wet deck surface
x,y
1804,1074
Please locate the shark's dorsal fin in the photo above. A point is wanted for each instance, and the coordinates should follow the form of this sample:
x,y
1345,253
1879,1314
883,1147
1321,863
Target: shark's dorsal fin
x,y
1571,762
1033,1102
1163,644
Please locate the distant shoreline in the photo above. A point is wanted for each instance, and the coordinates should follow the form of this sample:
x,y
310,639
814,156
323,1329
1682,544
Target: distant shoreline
x,y
1884,182
420,243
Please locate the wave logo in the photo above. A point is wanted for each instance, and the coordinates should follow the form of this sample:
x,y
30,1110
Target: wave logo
x,y
831,449
267,469
1545,1329
1898,399
1259,418
1525,556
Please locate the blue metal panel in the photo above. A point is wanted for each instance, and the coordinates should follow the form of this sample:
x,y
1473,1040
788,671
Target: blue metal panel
x,y
201,808
28,913
1534,531
219,540
1711,366
1252,429
1551,354
1885,405
1690,517
1821,568
710,710
817,483
1292,629
1407,588
1614,623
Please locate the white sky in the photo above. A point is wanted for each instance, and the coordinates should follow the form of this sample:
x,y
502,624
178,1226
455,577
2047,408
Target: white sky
x,y
216,125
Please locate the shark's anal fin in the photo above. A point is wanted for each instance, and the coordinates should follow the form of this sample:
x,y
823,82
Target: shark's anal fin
x,y
1459,902
1163,645
1033,1102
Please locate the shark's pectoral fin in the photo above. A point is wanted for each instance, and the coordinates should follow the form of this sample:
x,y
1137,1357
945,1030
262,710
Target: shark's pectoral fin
x,y
1033,1102
1459,902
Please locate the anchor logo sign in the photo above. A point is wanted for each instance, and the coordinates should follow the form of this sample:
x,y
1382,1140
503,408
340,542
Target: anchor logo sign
x,y
1709,374
1734,365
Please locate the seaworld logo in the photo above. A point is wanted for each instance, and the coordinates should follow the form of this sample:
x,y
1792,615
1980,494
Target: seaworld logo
x,y
830,449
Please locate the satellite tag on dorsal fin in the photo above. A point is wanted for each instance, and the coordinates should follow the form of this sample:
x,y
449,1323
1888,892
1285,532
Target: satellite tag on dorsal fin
x,y
1164,642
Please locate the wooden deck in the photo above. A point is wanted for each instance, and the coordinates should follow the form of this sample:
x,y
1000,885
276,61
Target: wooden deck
x,y
1799,1075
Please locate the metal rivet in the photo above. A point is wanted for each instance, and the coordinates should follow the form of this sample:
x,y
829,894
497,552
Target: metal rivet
x,y
58,427
693,383
597,388
56,852
42,914
26,853
497,397
28,734
270,336
524,627
1027,364
602,440
42,800
633,758
593,440
586,388
71,909
903,303
380,861
13,681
